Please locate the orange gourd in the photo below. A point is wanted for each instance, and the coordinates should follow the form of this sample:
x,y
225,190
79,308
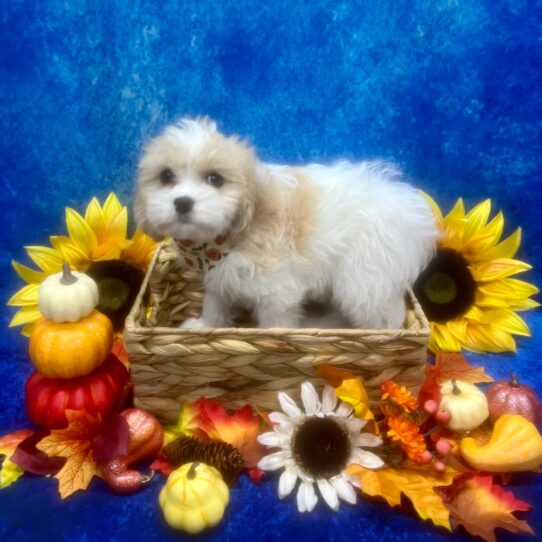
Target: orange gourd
x,y
70,349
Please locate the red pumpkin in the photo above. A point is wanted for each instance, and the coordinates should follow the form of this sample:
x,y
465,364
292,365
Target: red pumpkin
x,y
100,392
513,398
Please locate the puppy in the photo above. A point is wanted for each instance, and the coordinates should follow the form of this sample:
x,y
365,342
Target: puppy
x,y
352,233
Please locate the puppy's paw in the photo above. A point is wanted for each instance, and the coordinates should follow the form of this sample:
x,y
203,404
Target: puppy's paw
x,y
193,323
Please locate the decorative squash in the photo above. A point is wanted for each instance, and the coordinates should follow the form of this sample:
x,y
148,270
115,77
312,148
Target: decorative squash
x,y
67,296
100,392
513,398
146,439
70,349
515,445
466,404
194,497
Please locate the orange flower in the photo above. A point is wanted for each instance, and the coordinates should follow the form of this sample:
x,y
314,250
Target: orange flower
x,y
408,435
399,395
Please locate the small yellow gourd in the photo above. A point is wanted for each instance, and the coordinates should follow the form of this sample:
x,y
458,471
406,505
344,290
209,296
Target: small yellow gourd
x,y
67,296
514,446
194,497
466,404
70,349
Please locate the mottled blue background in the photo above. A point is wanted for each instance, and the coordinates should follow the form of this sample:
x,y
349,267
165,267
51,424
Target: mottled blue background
x,y
449,89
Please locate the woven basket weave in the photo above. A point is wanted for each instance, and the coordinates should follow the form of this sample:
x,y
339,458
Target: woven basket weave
x,y
241,365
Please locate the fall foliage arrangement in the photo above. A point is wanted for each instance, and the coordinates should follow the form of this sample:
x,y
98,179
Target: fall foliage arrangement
x,y
449,451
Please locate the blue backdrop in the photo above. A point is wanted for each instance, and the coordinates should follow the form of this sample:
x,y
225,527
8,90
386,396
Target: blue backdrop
x,y
449,89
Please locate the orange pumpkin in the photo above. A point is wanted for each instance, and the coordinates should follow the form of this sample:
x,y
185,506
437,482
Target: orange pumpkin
x,y
70,349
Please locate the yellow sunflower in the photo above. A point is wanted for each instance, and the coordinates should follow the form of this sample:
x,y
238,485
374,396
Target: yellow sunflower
x,y
466,291
97,244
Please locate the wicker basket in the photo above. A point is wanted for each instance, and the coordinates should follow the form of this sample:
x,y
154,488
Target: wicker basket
x,y
246,365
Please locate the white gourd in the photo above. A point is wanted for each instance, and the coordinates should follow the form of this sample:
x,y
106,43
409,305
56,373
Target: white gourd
x,y
466,404
67,296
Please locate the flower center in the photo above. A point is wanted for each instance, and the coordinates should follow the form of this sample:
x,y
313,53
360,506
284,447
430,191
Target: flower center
x,y
118,284
445,289
321,447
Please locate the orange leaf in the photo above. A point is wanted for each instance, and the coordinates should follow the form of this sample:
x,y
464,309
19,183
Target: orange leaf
x,y
454,366
239,429
418,485
9,442
75,444
481,507
9,471
333,376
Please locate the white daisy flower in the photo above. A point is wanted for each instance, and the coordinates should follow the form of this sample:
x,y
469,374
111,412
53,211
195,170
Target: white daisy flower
x,y
316,446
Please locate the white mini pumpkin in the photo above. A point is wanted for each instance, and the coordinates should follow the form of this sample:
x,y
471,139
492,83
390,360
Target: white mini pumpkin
x,y
466,404
67,296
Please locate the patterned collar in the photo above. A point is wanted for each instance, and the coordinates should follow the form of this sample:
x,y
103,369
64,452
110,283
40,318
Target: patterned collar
x,y
203,256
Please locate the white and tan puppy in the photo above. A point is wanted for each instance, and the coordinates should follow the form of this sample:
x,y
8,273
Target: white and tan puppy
x,y
352,233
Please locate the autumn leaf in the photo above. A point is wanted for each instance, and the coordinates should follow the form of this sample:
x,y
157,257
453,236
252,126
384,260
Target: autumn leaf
x,y
10,472
240,429
418,485
351,390
187,424
333,376
75,444
481,506
452,366
430,389
161,464
32,460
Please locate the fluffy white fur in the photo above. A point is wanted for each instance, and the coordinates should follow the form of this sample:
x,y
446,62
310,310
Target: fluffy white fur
x,y
351,233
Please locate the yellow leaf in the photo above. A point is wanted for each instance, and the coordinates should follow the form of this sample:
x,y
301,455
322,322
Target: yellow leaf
x,y
9,473
186,425
416,484
353,392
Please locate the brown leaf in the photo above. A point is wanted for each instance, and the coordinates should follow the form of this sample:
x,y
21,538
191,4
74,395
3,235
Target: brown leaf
x,y
10,472
454,366
480,507
75,444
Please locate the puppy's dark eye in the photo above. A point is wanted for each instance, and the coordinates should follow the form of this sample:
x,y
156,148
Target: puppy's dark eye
x,y
214,179
167,176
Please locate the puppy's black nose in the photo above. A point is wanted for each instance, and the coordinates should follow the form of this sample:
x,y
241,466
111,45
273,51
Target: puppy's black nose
x,y
183,205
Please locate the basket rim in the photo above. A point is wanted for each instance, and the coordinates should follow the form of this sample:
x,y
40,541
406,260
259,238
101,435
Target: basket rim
x,y
132,327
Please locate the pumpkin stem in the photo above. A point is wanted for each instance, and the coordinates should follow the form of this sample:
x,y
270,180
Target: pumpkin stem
x,y
515,381
191,474
455,388
67,276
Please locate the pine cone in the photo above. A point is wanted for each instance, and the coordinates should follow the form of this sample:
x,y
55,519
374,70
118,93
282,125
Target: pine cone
x,y
216,453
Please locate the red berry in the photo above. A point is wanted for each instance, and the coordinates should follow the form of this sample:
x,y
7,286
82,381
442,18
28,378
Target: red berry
x,y
426,457
443,416
443,447
430,406
439,466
